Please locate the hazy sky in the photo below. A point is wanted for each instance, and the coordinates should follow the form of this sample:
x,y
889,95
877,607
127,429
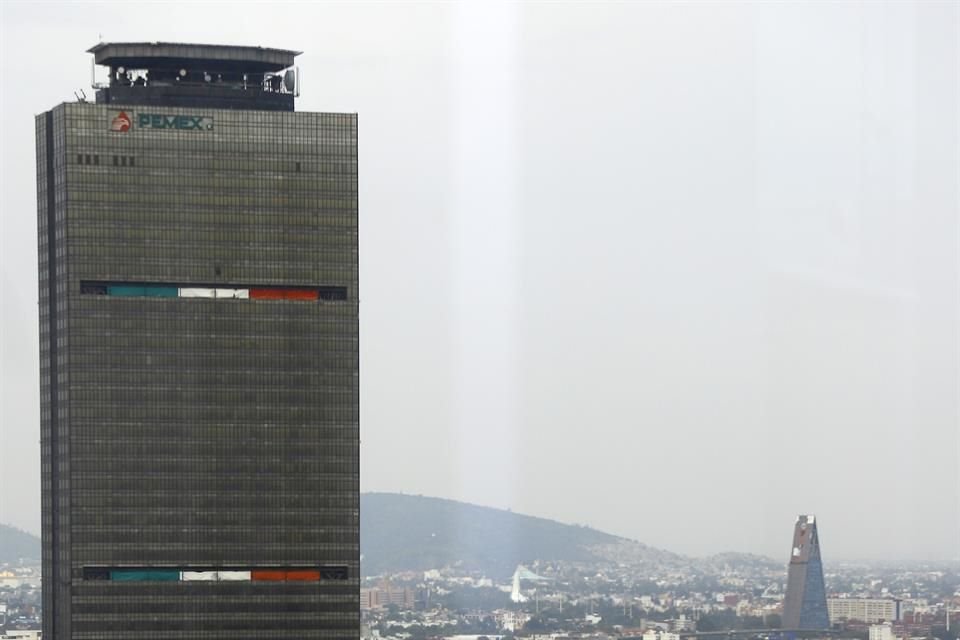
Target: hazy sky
x,y
676,271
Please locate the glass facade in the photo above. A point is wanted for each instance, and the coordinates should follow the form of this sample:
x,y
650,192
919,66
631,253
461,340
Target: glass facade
x,y
813,609
199,373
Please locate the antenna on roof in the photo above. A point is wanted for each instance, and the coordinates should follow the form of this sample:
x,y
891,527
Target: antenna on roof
x,y
80,98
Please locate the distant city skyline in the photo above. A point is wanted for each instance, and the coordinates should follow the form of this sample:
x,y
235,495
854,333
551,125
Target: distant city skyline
x,y
431,562
677,271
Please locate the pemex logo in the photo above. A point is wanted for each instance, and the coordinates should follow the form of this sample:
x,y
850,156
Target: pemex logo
x,y
121,122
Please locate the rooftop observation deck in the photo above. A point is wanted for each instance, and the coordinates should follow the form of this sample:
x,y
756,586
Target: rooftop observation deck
x,y
197,75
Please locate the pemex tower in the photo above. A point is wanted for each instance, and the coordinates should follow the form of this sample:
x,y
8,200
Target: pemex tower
x,y
805,604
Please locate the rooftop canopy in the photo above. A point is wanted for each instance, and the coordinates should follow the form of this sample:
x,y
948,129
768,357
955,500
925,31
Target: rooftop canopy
x,y
213,57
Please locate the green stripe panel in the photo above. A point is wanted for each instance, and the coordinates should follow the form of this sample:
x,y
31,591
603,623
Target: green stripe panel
x,y
124,290
141,576
150,291
159,291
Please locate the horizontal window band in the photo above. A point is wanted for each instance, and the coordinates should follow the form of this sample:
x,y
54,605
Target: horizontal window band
x,y
233,574
219,291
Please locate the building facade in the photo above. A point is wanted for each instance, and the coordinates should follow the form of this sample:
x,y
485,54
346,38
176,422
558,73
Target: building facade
x,y
864,609
199,352
805,602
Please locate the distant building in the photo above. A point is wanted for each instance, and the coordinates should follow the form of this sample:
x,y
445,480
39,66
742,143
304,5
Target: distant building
x,y
659,634
683,623
380,598
22,634
805,603
881,632
864,609
512,620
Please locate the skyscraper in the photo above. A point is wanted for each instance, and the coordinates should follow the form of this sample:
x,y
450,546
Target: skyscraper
x,y
199,352
805,603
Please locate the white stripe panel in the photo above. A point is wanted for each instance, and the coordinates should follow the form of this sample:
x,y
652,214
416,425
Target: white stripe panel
x,y
233,293
190,576
234,575
196,292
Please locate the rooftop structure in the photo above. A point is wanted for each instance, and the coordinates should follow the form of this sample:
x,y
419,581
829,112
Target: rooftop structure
x,y
197,75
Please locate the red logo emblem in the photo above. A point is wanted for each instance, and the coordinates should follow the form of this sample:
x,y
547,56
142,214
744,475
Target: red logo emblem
x,y
121,122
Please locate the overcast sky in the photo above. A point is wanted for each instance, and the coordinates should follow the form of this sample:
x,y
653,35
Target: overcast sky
x,y
676,271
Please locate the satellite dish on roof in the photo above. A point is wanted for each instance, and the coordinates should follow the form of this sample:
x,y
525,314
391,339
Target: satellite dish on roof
x,y
290,80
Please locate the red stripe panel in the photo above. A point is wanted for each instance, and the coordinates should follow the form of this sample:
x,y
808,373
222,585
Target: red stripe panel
x,y
300,294
305,575
267,294
274,576
284,294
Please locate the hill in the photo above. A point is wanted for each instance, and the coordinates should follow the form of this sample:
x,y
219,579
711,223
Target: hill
x,y
402,532
414,533
16,545
740,561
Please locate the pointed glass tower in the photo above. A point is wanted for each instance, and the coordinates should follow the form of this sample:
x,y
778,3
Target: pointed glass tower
x,y
805,604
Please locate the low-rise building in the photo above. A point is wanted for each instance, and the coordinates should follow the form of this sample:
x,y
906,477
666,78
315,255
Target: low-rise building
x,y
863,609
881,632
683,623
377,598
